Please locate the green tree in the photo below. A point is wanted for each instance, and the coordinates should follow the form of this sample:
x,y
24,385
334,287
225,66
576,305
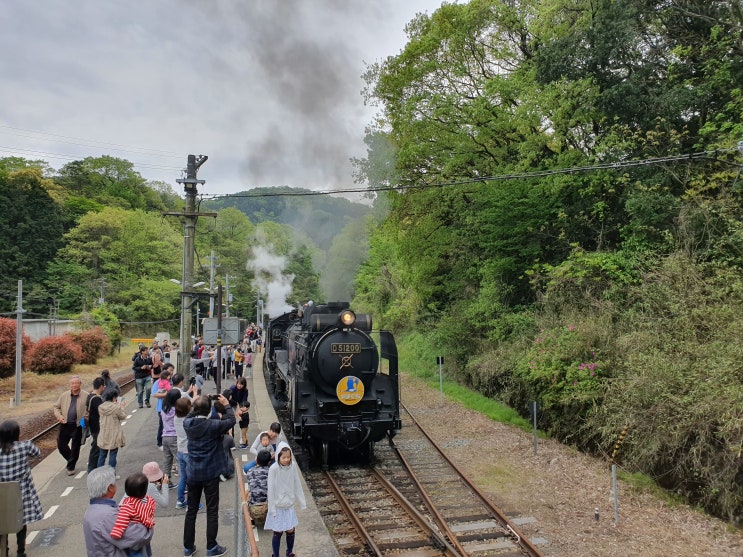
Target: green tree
x,y
30,231
110,181
133,251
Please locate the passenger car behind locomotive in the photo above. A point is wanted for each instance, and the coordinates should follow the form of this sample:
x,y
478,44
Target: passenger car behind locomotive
x,y
324,362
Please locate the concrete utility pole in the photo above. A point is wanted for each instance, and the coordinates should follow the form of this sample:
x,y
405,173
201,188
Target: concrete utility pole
x,y
189,229
211,285
19,345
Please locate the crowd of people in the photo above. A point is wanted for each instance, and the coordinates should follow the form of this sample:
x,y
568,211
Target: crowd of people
x,y
196,433
236,359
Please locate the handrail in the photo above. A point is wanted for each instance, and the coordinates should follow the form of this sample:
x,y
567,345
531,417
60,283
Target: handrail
x,y
244,498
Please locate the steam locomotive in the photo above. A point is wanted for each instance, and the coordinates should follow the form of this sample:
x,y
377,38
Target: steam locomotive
x,y
323,361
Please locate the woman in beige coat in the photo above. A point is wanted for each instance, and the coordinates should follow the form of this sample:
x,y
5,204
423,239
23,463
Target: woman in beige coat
x,y
111,436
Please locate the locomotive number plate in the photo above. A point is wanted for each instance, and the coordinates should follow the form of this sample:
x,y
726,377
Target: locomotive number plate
x,y
345,348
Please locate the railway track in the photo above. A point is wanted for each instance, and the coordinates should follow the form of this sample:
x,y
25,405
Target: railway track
x,y
369,516
415,502
43,431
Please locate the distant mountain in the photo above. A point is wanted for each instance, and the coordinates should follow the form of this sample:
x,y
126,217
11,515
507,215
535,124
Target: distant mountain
x,y
319,217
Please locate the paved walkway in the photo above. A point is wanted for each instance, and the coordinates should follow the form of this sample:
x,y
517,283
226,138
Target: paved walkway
x,y
64,498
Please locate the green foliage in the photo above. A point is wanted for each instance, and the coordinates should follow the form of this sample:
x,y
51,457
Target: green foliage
x,y
30,230
110,181
585,277
7,347
418,357
134,251
54,355
644,484
318,217
562,364
93,343
104,318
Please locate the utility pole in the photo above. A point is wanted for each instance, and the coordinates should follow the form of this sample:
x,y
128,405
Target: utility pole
x,y
218,378
227,305
190,215
18,345
211,285
102,282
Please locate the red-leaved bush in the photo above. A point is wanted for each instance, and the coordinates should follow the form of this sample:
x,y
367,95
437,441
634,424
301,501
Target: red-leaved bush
x,y
54,355
93,342
7,347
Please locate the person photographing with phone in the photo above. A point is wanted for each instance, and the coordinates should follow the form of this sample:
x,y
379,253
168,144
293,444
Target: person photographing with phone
x,y
206,461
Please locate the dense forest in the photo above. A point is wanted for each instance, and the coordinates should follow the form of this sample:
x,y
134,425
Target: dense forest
x,y
557,207
565,221
92,240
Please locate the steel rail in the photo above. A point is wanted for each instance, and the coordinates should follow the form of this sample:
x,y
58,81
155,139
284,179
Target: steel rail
x,y
519,539
351,514
417,516
440,520
55,425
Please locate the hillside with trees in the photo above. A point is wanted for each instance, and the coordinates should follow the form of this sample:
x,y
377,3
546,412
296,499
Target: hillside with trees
x,y
565,221
319,217
91,242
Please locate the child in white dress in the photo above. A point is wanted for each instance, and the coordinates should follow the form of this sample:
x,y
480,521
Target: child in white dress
x,y
284,489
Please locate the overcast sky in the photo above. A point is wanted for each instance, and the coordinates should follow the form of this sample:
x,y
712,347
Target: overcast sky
x,y
270,90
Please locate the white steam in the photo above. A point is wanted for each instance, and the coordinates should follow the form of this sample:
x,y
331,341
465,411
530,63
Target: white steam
x,y
270,280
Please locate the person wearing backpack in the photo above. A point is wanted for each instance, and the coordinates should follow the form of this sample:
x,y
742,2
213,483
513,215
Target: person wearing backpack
x,y
93,419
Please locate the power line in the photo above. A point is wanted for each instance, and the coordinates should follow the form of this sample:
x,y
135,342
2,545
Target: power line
x,y
89,142
32,152
702,155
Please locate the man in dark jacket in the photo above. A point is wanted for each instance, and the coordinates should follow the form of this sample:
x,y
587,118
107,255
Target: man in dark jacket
x,y
142,369
206,461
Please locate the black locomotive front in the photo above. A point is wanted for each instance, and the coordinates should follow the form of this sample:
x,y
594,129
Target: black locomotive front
x,y
339,399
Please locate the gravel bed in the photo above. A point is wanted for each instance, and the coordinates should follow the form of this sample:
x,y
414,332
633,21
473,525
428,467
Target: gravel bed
x,y
561,487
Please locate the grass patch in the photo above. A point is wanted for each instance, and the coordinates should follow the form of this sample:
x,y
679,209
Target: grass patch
x,y
417,355
475,401
645,484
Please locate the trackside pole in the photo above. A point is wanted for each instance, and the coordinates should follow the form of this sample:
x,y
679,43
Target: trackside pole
x,y
440,361
534,422
616,495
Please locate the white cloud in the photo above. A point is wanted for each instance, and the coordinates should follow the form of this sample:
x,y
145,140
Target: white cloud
x,y
270,91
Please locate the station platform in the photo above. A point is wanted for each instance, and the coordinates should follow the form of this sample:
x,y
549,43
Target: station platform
x,y
65,498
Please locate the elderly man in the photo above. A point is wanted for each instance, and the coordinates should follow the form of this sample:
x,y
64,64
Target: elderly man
x,y
206,461
69,409
101,515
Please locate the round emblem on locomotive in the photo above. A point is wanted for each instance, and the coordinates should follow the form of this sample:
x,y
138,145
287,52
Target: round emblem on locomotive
x,y
350,390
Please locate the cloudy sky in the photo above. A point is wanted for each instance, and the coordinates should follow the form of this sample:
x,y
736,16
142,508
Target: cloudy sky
x,y
270,90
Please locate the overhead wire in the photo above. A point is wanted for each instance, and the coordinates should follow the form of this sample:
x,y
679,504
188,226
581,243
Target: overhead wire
x,y
618,165
88,142
32,152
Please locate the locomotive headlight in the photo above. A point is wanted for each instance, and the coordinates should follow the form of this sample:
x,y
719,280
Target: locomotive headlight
x,y
347,317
